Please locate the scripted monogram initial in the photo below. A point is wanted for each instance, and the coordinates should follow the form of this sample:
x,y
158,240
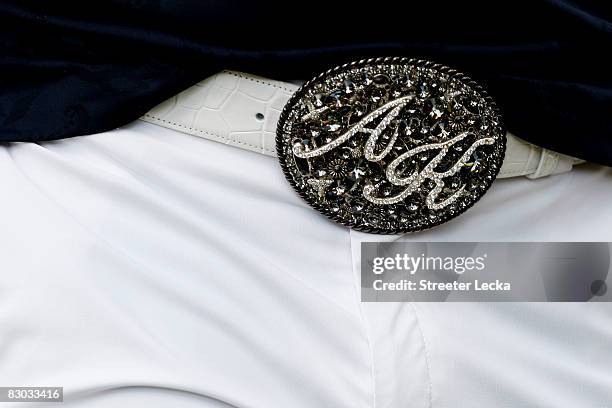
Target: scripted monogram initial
x,y
413,181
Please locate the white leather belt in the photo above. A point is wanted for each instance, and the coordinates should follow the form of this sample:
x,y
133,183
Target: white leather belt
x,y
242,110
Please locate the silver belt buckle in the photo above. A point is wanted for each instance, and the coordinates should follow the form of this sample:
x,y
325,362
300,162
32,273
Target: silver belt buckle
x,y
391,145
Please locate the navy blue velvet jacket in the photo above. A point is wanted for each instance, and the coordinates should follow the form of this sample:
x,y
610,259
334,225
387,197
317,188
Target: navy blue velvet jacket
x,y
76,68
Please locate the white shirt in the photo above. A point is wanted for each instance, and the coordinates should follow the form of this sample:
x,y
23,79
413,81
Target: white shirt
x,y
146,267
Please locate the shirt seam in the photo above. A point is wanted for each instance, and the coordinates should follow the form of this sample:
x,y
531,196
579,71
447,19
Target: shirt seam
x,y
426,352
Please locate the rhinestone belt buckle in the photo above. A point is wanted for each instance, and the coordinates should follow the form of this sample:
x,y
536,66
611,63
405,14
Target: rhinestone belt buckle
x,y
391,145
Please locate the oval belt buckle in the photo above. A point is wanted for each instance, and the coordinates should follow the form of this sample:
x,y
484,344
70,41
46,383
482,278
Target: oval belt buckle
x,y
391,145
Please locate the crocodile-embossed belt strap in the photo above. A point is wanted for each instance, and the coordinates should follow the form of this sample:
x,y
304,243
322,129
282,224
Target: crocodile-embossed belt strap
x,y
242,110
